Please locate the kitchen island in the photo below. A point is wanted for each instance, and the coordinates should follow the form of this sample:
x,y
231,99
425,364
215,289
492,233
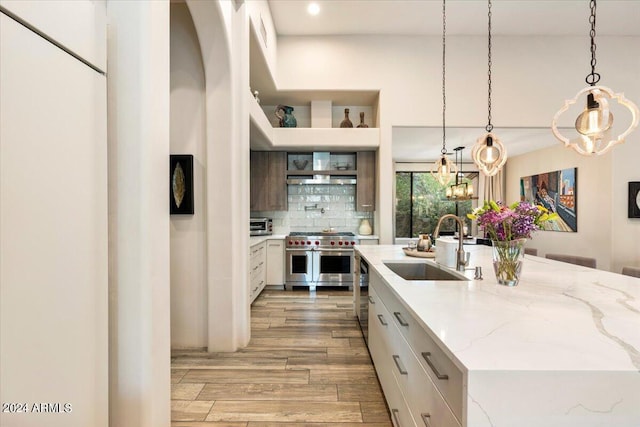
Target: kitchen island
x,y
560,349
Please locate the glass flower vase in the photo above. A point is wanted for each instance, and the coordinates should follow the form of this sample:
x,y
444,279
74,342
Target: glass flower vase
x,y
507,260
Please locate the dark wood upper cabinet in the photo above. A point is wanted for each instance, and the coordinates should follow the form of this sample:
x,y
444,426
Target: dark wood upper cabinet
x,y
268,181
366,181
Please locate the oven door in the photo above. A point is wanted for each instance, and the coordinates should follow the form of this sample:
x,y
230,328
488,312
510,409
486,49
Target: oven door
x,y
299,265
334,267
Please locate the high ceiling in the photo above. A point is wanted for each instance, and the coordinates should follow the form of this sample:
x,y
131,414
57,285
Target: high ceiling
x,y
464,17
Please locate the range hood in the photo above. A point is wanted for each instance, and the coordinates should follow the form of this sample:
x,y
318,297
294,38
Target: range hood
x,y
321,162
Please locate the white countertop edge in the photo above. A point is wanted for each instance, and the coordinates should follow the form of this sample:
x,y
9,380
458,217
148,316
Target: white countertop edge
x,y
254,240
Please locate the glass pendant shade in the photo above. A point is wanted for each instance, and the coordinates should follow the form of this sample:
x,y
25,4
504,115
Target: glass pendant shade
x,y
444,170
595,124
596,117
462,191
489,154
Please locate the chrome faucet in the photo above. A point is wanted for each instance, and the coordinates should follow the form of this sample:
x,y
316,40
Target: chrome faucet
x,y
462,258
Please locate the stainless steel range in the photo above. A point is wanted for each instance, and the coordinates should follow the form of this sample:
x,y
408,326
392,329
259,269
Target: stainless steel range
x,y
319,259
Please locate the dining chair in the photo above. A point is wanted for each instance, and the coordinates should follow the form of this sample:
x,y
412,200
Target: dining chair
x,y
631,271
573,259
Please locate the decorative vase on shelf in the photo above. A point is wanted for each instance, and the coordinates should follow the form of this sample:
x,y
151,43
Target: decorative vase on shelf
x,y
424,243
507,260
285,116
365,228
346,123
362,123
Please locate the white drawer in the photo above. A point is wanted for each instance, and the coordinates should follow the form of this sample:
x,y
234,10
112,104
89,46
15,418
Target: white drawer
x,y
257,251
443,372
256,288
426,404
379,342
400,413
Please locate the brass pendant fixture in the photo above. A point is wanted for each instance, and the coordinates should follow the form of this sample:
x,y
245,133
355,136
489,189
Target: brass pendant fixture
x,y
444,169
594,125
488,153
459,190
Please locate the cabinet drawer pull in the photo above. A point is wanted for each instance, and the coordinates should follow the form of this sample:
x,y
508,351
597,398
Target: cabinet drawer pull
x,y
371,300
425,419
396,420
427,356
400,318
398,362
366,206
381,319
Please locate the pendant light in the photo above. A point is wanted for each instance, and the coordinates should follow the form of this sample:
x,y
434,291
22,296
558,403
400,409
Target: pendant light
x,y
594,124
444,169
459,190
488,153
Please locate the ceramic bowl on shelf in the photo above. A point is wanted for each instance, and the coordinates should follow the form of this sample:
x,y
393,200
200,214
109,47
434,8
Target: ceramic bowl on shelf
x,y
342,166
300,164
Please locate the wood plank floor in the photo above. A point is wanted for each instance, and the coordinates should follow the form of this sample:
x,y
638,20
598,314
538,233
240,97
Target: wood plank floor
x,y
306,365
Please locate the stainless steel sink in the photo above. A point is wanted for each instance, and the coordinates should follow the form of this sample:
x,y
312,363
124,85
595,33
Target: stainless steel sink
x,y
422,271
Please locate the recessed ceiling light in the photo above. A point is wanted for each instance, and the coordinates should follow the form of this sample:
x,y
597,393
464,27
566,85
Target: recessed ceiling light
x,y
313,9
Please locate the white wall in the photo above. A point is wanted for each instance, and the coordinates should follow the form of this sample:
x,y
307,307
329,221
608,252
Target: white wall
x,y
259,13
53,227
625,232
188,232
532,76
138,109
225,52
594,183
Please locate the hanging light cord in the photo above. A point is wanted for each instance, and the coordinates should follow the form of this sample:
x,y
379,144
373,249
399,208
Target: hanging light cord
x,y
593,77
444,96
489,126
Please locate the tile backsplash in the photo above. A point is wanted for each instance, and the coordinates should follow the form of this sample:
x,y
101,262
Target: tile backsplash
x,y
338,202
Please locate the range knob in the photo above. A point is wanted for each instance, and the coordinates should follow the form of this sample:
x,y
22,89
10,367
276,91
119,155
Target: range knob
x,y
353,243
317,243
290,242
333,243
308,242
340,243
296,243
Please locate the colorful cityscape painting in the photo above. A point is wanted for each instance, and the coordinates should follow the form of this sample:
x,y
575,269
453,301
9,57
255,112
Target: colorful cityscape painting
x,y
556,191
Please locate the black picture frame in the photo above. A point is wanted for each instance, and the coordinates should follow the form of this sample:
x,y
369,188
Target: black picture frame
x,y
181,184
634,199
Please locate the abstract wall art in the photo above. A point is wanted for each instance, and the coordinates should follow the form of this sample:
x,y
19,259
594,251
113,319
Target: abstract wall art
x,y
556,191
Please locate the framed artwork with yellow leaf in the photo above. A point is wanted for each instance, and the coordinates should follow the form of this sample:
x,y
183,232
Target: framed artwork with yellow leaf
x,y
181,184
634,199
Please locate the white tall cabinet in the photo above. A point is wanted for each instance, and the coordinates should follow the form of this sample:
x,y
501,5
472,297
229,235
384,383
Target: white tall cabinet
x,y
53,229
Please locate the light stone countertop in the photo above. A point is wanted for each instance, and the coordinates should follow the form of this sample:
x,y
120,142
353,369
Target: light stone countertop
x,y
567,331
254,240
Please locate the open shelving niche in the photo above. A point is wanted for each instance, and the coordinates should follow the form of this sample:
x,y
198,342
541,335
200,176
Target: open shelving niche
x,y
265,133
340,164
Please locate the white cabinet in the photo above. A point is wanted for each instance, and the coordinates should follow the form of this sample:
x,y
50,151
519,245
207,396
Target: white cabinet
x,y
257,270
54,228
275,262
408,372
